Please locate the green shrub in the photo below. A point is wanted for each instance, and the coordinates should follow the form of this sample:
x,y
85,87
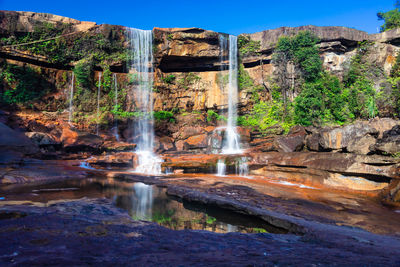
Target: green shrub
x,y
322,101
213,116
24,84
83,71
247,46
265,115
169,79
301,50
391,18
244,79
164,116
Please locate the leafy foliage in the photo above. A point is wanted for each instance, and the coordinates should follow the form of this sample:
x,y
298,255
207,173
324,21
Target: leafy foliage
x,y
322,101
302,51
169,79
213,116
247,46
244,79
391,18
164,116
265,115
83,72
23,84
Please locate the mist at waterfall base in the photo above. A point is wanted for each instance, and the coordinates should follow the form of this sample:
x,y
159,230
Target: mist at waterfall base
x,y
141,68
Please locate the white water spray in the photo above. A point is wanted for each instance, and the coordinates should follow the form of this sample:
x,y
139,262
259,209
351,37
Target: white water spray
x,y
115,106
71,97
98,104
142,66
221,168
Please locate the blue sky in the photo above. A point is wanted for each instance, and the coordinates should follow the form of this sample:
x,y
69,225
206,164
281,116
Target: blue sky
x,y
233,17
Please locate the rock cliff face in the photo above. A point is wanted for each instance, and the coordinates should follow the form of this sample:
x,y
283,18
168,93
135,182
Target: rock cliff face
x,y
187,78
192,56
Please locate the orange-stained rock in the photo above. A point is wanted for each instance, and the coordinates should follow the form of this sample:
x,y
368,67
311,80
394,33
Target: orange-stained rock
x,y
188,131
197,141
119,159
72,138
209,129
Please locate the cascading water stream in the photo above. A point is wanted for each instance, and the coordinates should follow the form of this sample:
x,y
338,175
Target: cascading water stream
x,y
232,138
142,68
98,104
71,97
115,106
221,168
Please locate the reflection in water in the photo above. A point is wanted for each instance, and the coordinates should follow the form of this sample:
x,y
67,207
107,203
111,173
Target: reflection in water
x,y
143,202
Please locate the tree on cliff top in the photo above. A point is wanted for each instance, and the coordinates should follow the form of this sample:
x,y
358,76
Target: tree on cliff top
x,y
391,18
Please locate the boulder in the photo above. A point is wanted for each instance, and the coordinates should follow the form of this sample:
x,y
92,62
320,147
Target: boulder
x,y
390,142
378,167
294,141
197,141
392,193
180,145
188,131
167,144
383,124
42,139
339,138
312,142
75,139
362,146
15,141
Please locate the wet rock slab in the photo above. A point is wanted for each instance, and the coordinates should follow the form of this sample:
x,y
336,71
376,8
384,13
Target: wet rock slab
x,y
87,232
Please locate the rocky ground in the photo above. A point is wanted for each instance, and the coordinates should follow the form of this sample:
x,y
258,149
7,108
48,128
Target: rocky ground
x,y
87,232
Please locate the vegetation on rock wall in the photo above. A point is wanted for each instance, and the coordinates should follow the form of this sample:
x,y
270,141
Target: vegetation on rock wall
x,y
314,96
247,46
21,85
164,116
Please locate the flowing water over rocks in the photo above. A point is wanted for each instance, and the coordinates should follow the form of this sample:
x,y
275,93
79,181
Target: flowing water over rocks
x,y
141,70
232,139
71,99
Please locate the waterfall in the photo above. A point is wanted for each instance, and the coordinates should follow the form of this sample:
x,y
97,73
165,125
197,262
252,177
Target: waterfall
x,y
115,106
221,168
143,201
98,104
142,67
71,97
243,167
232,138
